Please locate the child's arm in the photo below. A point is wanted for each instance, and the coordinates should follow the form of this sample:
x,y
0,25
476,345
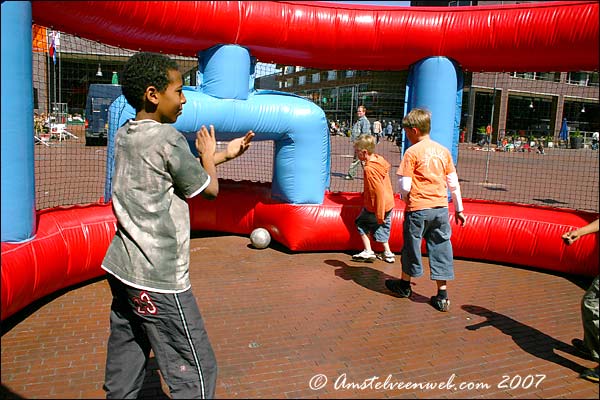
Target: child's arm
x,y
405,183
454,186
572,236
235,148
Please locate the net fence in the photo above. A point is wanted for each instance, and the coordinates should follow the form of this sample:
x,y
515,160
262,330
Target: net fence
x,y
524,137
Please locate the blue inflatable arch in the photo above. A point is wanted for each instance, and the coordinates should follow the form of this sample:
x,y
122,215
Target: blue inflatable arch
x,y
226,99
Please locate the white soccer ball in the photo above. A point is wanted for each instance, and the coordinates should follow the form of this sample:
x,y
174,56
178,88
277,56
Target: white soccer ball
x,y
260,238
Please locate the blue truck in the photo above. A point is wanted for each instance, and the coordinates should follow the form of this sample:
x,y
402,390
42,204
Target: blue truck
x,y
100,97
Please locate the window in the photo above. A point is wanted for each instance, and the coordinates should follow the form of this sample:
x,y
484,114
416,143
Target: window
x,y
538,76
288,70
289,82
331,75
524,75
301,80
350,73
583,78
316,78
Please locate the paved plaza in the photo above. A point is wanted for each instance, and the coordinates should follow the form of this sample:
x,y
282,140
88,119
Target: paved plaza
x,y
317,325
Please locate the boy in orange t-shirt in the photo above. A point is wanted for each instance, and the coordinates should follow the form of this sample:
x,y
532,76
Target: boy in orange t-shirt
x,y
425,173
378,201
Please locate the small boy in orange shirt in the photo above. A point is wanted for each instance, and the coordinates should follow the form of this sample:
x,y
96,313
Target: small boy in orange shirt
x,y
378,201
425,173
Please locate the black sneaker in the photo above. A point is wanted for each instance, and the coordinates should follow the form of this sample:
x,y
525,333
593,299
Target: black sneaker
x,y
582,349
590,374
394,286
442,305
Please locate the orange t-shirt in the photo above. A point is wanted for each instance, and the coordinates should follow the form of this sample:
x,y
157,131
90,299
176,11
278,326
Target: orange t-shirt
x,y
428,163
378,195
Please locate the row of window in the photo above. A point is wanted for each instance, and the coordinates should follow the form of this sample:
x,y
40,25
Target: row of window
x,y
580,78
316,77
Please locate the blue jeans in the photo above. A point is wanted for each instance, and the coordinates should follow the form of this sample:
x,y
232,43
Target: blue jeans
x,y
366,222
433,225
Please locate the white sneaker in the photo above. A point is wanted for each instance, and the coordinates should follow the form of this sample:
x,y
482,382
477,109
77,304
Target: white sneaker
x,y
365,256
387,257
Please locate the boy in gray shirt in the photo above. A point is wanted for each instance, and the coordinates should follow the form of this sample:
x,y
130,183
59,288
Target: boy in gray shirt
x,y
153,306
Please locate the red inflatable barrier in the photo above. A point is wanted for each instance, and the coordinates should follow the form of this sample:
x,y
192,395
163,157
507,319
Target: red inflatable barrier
x,y
542,36
501,232
71,243
68,249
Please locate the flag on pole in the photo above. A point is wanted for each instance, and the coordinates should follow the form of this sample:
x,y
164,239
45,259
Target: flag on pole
x,y
52,50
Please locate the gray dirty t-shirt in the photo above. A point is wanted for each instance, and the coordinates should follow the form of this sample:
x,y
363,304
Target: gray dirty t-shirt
x,y
155,171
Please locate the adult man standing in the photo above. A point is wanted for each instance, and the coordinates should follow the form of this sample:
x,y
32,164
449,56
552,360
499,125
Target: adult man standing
x,y
362,126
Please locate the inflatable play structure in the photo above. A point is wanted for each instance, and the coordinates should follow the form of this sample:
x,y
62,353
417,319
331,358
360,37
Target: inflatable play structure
x,y
51,249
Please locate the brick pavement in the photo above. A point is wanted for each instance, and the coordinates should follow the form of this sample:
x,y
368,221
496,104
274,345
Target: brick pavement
x,y
277,319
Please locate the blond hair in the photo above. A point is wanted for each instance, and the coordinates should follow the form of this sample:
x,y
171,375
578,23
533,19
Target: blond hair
x,y
418,118
365,142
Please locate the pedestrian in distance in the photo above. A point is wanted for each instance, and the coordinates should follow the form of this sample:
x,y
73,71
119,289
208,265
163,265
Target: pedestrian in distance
x,y
361,127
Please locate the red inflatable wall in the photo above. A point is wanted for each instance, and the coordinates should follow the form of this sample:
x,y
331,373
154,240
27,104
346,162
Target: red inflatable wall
x,y
68,249
71,243
544,36
507,233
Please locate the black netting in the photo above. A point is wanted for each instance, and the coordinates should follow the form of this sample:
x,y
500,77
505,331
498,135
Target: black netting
x,y
525,112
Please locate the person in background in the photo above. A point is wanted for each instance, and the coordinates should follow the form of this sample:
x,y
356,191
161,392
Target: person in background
x,y
590,345
361,127
389,131
377,130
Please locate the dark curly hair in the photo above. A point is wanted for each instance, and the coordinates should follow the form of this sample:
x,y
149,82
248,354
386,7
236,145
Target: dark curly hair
x,y
142,70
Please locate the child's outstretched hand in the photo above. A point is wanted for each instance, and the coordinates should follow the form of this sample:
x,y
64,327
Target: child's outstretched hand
x,y
570,237
205,141
237,147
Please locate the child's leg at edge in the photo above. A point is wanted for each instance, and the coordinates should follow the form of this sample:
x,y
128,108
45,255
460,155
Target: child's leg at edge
x,y
366,241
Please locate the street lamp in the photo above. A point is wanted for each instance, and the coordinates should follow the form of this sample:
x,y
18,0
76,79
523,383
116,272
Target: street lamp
x,y
99,72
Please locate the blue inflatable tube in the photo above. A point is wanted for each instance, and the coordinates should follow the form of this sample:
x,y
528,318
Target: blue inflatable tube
x,y
18,182
297,126
435,84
